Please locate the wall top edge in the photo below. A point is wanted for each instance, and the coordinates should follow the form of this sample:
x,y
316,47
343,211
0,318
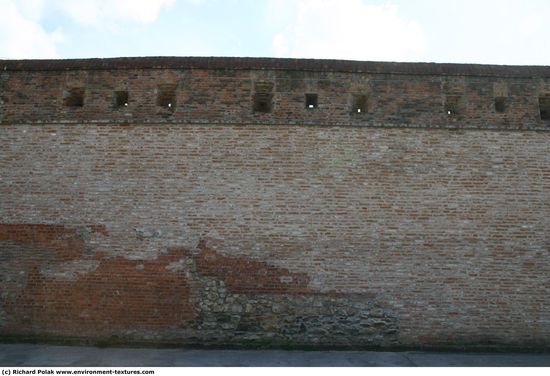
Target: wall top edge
x,y
248,63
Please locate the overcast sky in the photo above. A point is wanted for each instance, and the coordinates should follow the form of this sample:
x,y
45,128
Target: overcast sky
x,y
461,31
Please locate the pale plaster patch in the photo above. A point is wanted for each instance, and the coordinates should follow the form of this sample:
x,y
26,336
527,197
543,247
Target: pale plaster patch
x,y
69,270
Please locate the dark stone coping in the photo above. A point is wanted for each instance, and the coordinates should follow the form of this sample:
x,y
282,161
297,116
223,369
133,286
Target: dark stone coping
x,y
249,63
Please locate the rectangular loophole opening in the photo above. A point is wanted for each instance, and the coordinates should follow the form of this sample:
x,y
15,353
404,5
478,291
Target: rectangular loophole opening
x,y
359,104
501,104
311,100
121,98
263,97
74,97
544,106
453,105
166,96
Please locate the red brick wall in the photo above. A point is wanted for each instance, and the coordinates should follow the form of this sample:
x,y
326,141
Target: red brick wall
x,y
228,233
398,95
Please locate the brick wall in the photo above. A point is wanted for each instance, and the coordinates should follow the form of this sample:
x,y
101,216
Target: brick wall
x,y
208,222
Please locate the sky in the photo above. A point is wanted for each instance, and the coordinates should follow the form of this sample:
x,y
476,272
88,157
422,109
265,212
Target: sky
x,y
512,32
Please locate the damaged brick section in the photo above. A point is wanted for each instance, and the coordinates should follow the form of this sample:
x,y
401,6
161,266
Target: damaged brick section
x,y
119,295
67,242
62,291
51,286
27,246
244,300
249,276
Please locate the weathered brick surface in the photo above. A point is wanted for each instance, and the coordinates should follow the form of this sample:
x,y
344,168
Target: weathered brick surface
x,y
221,91
215,224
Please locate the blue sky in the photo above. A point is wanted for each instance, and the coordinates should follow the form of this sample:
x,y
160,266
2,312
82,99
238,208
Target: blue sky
x,y
465,31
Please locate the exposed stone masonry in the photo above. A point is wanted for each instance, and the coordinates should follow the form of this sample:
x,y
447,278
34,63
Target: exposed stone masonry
x,y
329,319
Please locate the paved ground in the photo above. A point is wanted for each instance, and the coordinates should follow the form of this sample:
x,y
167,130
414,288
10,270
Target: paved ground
x,y
42,355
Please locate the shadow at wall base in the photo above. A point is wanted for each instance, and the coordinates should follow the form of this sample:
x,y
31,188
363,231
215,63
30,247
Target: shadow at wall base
x,y
126,342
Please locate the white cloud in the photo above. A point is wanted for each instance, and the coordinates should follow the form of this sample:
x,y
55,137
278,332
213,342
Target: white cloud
x,y
31,9
21,36
102,13
487,32
280,45
347,29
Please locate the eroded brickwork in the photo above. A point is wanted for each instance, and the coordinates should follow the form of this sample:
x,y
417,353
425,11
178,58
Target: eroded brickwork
x,y
209,222
225,91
